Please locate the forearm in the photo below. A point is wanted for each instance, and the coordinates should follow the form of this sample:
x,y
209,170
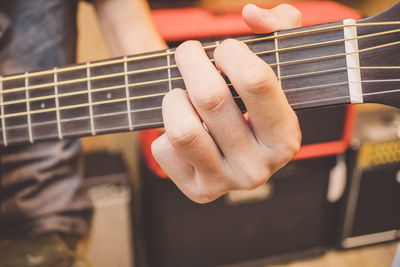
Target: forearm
x,y
128,26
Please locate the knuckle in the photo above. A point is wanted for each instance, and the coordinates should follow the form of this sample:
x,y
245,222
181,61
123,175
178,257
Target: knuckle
x,y
291,148
288,149
255,177
287,146
294,143
202,191
201,195
201,198
256,79
211,101
184,137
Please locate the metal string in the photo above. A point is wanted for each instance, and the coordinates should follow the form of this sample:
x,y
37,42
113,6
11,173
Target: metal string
x,y
168,67
176,78
164,93
166,52
159,107
180,78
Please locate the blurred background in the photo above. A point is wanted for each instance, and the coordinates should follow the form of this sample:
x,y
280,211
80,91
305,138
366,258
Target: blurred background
x,y
330,209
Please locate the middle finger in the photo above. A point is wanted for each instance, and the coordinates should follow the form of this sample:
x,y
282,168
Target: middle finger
x,y
213,101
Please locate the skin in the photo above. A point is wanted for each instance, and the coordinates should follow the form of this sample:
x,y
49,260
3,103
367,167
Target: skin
x,y
233,151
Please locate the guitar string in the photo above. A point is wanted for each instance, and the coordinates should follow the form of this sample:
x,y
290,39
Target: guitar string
x,y
162,54
82,105
110,88
180,78
11,102
154,95
159,107
35,99
151,95
166,67
144,96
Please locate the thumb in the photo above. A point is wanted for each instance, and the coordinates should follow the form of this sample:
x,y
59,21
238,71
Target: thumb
x,y
269,20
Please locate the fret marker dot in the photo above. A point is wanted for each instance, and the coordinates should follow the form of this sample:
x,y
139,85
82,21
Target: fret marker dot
x,y
108,95
43,105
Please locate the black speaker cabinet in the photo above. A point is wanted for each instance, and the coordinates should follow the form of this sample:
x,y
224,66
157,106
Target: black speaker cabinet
x,y
288,215
372,206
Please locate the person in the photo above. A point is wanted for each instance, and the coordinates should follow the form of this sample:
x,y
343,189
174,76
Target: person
x,y
208,147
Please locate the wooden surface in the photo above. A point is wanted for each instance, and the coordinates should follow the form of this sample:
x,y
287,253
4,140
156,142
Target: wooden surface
x,y
91,46
374,256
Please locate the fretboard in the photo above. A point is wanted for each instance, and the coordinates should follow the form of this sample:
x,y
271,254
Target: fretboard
x,y
316,66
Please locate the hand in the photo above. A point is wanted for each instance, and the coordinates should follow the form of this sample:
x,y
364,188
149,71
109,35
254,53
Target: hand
x,y
234,151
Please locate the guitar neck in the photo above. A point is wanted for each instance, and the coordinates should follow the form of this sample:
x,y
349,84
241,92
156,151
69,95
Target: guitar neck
x,y
316,66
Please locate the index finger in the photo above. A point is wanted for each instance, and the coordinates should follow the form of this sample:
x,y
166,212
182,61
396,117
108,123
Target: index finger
x,y
269,111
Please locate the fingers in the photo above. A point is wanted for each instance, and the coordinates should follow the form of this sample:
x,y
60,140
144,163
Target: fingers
x,y
171,162
188,136
236,151
269,20
183,174
273,121
213,101
187,152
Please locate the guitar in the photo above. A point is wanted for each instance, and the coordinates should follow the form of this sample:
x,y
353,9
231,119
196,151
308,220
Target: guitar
x,y
329,64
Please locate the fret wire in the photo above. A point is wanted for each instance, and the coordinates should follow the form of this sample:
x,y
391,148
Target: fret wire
x,y
67,82
169,70
92,90
28,108
89,87
174,66
278,67
3,120
128,103
96,116
136,58
57,102
84,105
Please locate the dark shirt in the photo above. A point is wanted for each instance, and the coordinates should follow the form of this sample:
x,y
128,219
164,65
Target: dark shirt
x,y
41,183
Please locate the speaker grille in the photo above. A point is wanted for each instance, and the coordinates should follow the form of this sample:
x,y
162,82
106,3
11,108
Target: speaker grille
x,y
374,154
